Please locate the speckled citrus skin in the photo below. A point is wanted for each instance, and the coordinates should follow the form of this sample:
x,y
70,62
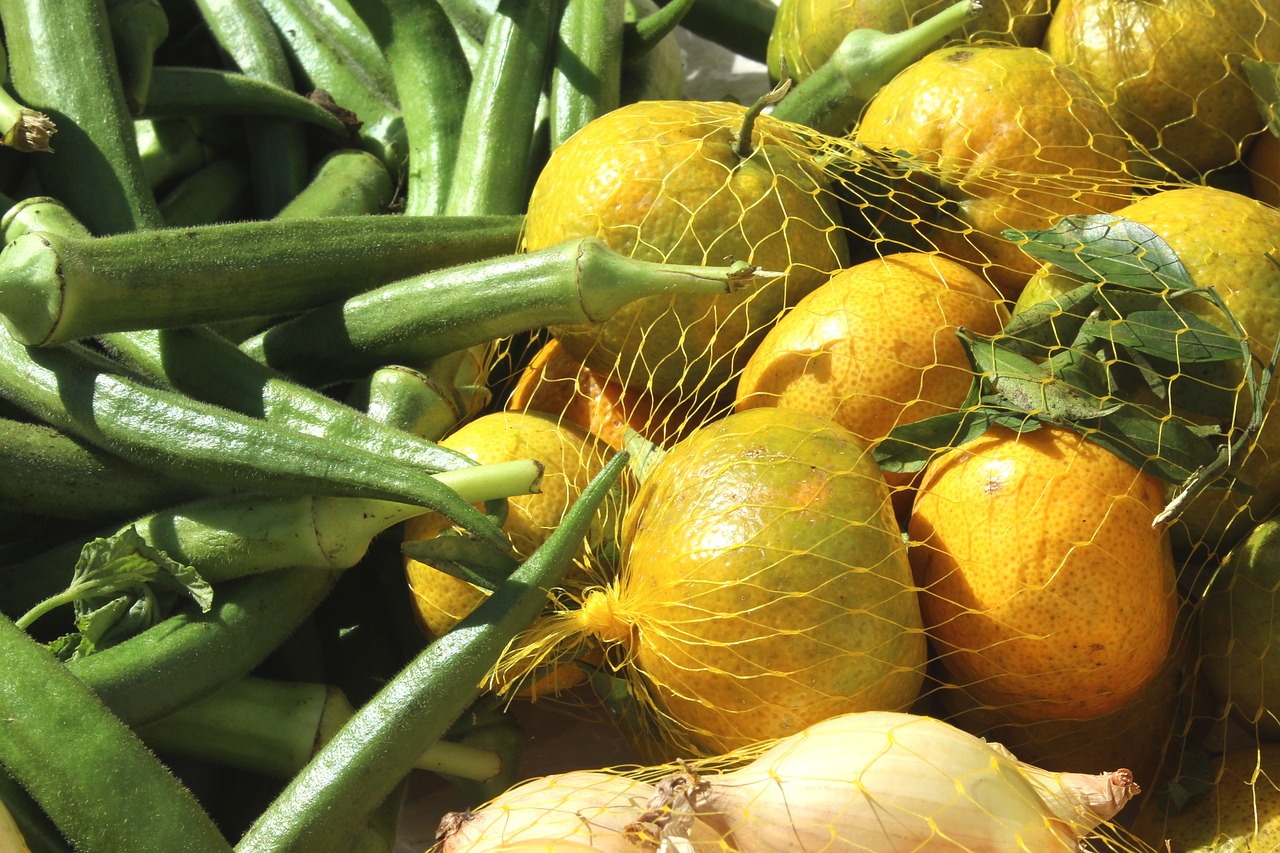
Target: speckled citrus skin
x,y
1018,141
1047,591
807,32
570,458
1223,239
766,582
661,181
1170,70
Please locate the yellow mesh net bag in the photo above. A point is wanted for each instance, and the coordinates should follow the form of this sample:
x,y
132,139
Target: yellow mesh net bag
x,y
993,448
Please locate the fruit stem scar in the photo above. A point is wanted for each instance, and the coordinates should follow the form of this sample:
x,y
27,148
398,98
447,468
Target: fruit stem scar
x,y
742,147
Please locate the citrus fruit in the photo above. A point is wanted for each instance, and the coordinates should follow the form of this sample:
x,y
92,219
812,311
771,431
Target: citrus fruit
x,y
570,458
876,346
1239,615
1223,239
1045,587
1263,162
1015,141
765,585
806,32
1239,814
665,181
1169,70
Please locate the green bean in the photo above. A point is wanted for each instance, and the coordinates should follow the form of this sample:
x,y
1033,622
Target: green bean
x,y
277,148
348,182
586,72
432,79
491,173
62,64
84,766
56,288
184,92
424,317
176,435
742,26
355,770
137,28
53,474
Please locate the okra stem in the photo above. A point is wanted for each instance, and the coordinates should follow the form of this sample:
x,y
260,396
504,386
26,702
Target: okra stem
x,y
432,81
174,434
183,92
497,128
56,288
831,99
62,63
424,317
355,770
24,129
108,773
275,727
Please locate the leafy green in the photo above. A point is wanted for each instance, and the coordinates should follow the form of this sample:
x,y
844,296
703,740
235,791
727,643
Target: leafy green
x,y
120,586
1264,79
1104,247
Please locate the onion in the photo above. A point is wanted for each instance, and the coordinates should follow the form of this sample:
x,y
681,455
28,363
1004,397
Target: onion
x,y
889,782
607,812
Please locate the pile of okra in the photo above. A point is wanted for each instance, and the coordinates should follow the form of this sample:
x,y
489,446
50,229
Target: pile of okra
x,y
257,256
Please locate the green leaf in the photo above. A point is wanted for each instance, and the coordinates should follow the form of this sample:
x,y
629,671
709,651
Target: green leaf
x,y
1164,447
909,447
1264,79
467,559
1051,323
1025,385
1107,248
1175,335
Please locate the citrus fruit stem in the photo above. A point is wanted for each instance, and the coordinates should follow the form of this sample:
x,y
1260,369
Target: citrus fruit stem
x,y
832,97
742,147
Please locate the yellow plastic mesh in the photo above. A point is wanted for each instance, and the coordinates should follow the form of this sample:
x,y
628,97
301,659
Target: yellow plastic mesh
x,y
1072,590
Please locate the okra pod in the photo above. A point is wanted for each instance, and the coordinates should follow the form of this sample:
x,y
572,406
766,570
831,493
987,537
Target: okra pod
x,y
586,70
183,92
61,62
50,473
277,148
23,128
348,182
432,80
137,28
56,288
367,757
418,319
642,35
213,194
491,174
191,655
742,26
831,99
470,16
84,766
275,727
39,213
409,400
233,536
174,434
169,148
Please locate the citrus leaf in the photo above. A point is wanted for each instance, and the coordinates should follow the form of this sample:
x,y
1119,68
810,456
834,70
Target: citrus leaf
x,y
1175,335
909,447
1162,446
1264,80
1107,248
1026,386
1050,323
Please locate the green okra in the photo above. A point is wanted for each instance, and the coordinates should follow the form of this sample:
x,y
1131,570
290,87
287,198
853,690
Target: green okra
x,y
275,727
494,150
184,92
61,62
231,536
56,288
470,16
742,26
347,182
586,69
169,148
84,766
432,79
367,757
418,319
192,655
213,194
831,99
138,27
39,213
50,473
21,128
412,401
644,34
176,435
277,148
